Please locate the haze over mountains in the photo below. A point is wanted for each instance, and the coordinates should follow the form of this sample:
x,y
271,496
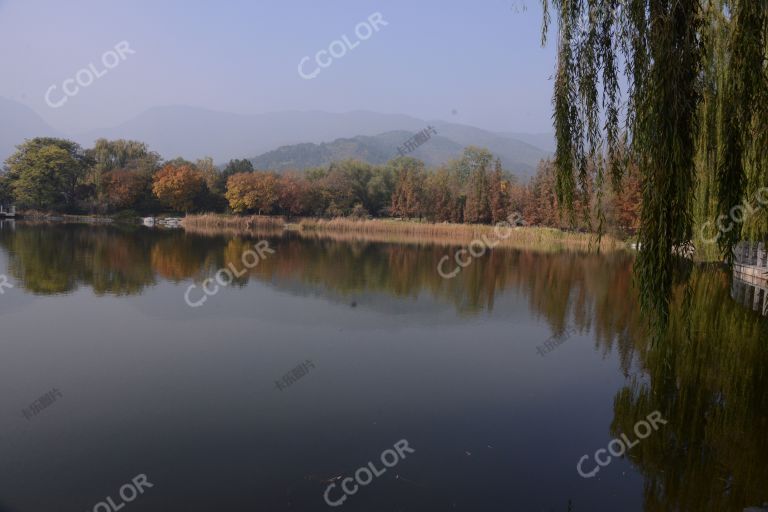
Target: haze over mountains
x,y
280,140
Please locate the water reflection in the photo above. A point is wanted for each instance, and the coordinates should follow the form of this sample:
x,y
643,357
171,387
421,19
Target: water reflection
x,y
50,259
708,376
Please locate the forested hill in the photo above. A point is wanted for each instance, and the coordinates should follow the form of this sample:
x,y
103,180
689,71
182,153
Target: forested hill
x,y
379,149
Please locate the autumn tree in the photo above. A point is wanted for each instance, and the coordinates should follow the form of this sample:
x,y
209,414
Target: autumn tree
x,y
408,196
499,194
293,193
541,205
255,191
234,166
627,203
123,188
178,186
444,200
211,174
478,205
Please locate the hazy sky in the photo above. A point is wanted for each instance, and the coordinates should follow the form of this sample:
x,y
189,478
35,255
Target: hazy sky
x,y
479,58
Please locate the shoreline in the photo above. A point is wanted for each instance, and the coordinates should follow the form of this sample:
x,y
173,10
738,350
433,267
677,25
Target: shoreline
x,y
389,230
399,231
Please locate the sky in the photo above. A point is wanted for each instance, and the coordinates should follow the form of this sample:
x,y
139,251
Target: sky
x,y
476,62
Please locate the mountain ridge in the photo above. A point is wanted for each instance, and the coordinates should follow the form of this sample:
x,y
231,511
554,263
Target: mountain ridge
x,y
195,132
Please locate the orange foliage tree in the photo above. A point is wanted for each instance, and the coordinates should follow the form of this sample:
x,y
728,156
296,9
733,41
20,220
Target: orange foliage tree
x,y
178,186
253,191
293,193
408,197
123,189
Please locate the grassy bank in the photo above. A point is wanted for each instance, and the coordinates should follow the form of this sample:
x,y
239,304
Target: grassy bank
x,y
402,231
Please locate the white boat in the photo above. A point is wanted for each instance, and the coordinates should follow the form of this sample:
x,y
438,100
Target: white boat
x,y
148,221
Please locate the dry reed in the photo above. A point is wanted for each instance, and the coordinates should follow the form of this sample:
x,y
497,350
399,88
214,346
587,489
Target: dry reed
x,y
216,220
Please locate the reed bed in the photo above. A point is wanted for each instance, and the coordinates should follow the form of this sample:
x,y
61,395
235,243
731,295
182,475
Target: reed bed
x,y
399,231
216,221
387,230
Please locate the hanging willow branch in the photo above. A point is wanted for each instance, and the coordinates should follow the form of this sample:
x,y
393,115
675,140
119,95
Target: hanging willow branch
x,y
667,49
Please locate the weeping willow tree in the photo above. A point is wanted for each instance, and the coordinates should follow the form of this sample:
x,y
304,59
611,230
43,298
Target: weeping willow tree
x,y
683,86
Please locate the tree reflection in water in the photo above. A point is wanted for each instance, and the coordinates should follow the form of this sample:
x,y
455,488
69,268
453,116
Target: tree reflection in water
x,y
708,376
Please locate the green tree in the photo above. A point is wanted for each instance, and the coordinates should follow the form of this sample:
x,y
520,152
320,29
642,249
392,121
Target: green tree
x,y
685,61
44,173
6,192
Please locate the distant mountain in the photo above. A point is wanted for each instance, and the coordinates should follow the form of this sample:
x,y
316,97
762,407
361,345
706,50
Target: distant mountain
x,y
19,122
376,149
194,132
282,139
515,156
545,141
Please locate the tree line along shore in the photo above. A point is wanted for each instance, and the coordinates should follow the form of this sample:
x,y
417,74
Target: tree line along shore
x,y
125,179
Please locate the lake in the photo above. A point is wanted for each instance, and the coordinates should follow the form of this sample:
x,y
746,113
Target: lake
x,y
523,383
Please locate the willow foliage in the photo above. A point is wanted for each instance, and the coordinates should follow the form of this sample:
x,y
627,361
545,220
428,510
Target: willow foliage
x,y
682,84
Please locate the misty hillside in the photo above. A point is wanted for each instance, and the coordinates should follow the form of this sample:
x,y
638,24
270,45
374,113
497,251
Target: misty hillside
x,y
375,150
19,122
281,139
516,157
194,132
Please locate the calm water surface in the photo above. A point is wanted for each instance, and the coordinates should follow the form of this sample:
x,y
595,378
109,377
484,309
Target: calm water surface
x,y
195,398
